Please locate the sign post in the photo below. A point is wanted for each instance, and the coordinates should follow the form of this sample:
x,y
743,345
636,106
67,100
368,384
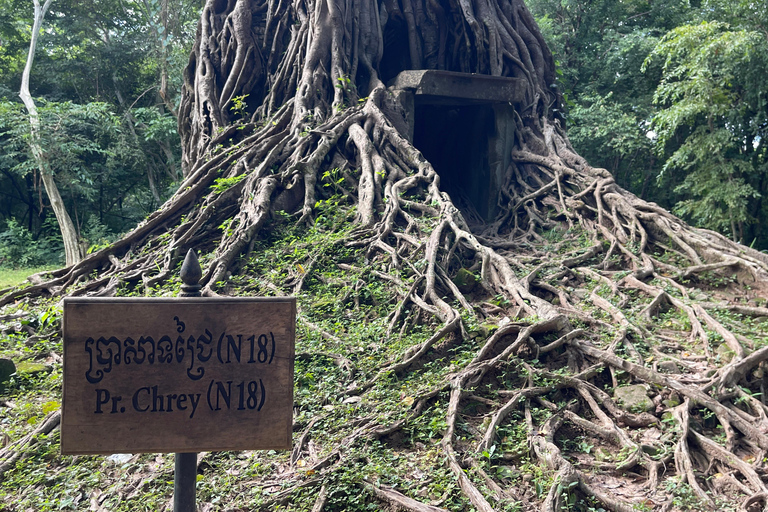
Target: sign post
x,y
178,375
185,464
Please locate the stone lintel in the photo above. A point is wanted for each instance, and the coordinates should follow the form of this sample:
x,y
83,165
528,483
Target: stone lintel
x,y
449,87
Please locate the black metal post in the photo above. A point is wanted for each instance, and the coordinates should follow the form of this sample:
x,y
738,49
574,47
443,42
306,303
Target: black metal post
x,y
185,472
184,483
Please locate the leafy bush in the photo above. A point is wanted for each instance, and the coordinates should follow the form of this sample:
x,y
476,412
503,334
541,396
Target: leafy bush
x,y
19,248
96,235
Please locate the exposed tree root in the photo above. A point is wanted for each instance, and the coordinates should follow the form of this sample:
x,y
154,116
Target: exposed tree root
x,y
399,500
14,452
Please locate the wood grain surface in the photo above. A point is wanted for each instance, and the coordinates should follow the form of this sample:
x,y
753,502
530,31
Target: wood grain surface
x,y
147,375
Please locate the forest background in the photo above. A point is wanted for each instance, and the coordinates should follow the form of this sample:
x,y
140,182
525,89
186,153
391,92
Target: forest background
x,y
669,97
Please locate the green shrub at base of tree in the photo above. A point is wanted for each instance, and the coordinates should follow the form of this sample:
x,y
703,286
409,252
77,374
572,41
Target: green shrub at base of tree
x,y
20,249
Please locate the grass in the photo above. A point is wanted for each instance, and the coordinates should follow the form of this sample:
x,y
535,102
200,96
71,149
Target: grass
x,y
15,276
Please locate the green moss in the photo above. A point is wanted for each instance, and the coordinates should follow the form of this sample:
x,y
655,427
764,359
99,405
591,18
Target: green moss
x,y
30,368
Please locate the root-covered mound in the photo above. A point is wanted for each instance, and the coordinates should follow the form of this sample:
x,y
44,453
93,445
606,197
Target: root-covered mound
x,y
583,350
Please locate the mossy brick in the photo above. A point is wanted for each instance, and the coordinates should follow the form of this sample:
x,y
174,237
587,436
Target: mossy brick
x,y
724,352
30,368
668,367
633,398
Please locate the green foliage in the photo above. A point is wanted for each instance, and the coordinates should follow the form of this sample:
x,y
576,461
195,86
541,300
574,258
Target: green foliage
x,y
96,235
669,97
333,179
99,166
110,141
222,184
599,48
613,136
717,187
19,248
683,494
156,125
239,107
711,121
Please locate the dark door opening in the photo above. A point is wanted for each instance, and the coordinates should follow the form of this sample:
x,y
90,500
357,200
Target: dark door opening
x,y
456,141
464,124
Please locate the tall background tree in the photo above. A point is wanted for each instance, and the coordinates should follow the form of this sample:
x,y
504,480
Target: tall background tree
x,y
600,48
67,229
102,88
712,119
490,360
666,96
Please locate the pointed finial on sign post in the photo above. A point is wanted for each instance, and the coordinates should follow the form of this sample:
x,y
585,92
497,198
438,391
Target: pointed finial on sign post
x,y
185,469
190,275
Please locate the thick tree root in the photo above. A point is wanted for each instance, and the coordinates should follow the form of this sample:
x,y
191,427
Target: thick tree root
x,y
392,234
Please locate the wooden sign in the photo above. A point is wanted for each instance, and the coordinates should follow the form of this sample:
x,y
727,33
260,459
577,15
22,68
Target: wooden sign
x,y
145,375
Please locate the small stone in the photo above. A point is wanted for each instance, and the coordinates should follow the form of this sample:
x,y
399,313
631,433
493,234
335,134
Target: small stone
x,y
580,293
465,280
120,458
487,329
481,331
352,400
724,353
633,398
699,295
668,367
651,450
7,368
29,368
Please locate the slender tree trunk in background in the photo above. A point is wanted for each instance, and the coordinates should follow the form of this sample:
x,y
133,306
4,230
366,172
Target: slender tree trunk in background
x,y
68,231
132,127
161,41
31,198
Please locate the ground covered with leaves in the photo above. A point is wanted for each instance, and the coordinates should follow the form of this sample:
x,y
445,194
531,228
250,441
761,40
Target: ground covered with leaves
x,y
636,403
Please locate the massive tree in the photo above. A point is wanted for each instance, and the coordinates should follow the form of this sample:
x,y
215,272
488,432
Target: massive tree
x,y
573,271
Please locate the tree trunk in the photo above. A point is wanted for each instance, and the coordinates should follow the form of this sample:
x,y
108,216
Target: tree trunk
x,y
287,95
161,40
68,231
